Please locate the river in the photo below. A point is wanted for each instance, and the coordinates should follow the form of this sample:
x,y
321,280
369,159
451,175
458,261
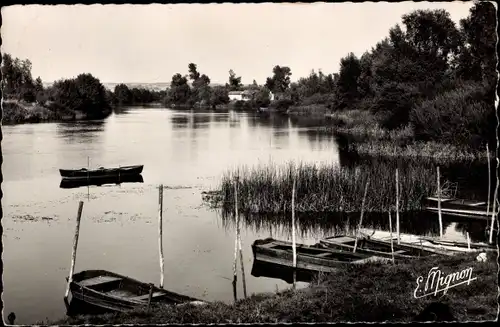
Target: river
x,y
185,151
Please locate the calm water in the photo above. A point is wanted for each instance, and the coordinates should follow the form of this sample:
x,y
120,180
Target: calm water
x,y
185,151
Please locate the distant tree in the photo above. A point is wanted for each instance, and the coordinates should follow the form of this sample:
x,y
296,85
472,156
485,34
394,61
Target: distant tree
x,y
280,81
218,96
234,82
123,94
17,81
193,72
179,91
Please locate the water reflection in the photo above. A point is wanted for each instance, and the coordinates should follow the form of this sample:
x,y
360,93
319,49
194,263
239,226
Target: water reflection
x,y
80,132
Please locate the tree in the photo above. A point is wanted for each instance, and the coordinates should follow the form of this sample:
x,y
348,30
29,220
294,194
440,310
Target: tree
x,y
280,81
234,82
193,72
347,83
123,94
218,95
179,91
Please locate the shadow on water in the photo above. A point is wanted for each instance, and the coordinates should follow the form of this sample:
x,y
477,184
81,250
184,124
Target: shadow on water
x,y
75,183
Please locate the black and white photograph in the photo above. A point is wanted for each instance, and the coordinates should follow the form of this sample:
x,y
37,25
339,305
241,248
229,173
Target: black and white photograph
x,y
245,163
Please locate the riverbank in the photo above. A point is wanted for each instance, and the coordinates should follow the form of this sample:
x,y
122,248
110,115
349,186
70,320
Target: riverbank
x,y
20,112
366,137
371,292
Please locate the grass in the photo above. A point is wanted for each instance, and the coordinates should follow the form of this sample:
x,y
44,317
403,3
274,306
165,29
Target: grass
x,y
371,292
308,110
328,188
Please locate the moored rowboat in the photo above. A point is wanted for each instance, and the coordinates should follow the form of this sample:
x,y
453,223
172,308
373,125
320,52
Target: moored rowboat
x,y
309,258
459,207
113,292
101,172
374,247
98,181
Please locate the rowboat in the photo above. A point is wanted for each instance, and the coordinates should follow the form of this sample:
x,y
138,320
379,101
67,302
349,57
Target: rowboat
x,y
421,242
269,270
109,291
459,207
311,258
472,245
101,172
374,247
99,181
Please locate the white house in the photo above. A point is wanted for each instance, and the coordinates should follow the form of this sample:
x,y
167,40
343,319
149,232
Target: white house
x,y
241,95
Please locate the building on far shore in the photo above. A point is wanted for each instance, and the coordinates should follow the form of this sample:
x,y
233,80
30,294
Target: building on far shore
x,y
246,95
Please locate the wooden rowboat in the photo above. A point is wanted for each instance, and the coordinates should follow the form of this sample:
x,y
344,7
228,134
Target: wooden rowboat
x,y
473,245
312,258
101,172
374,247
109,291
459,207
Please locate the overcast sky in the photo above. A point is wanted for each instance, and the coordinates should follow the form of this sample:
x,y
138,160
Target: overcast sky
x,y
150,43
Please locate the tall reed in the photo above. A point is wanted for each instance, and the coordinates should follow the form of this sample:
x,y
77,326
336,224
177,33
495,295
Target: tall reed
x,y
327,188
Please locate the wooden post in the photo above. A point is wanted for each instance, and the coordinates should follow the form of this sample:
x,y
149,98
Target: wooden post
x,y
439,204
468,241
160,233
493,213
150,295
489,181
238,237
397,206
88,178
73,254
361,218
392,247
242,268
294,248
237,216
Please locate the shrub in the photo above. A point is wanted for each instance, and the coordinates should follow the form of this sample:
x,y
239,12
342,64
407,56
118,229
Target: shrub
x,y
462,116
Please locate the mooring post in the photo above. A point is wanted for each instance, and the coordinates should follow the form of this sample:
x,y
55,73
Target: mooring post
x,y
392,246
397,206
73,254
439,203
150,295
238,236
493,213
468,241
361,218
237,218
160,233
489,181
294,248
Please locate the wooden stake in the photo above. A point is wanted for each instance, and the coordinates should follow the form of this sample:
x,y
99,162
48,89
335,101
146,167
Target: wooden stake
x,y
361,218
493,213
150,295
242,268
439,204
489,181
238,238
397,206
160,233
390,227
468,241
73,254
235,276
294,248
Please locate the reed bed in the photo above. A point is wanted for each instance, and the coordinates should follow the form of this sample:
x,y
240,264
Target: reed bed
x,y
327,188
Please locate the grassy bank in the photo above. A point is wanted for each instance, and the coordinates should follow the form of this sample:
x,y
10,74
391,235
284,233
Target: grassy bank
x,y
329,188
367,137
19,112
359,293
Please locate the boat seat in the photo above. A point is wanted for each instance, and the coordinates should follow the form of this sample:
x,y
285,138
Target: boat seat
x,y
399,251
99,280
146,296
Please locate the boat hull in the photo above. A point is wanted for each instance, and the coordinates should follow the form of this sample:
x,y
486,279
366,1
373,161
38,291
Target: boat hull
x,y
375,247
459,207
99,173
309,258
107,291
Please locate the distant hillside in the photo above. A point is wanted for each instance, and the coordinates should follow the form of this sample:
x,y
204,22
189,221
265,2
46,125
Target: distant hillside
x,y
158,86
